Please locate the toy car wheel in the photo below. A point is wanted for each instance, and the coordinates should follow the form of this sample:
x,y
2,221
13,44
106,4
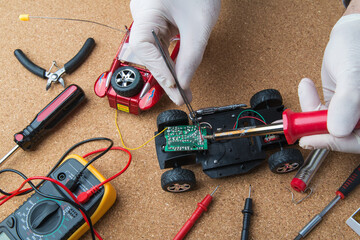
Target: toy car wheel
x,y
178,180
286,160
266,98
127,81
171,118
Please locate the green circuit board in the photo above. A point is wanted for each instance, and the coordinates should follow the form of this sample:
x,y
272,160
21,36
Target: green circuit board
x,y
185,138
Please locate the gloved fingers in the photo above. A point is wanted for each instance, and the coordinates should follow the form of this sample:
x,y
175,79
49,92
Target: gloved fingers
x,y
142,43
348,144
328,81
194,39
343,113
189,58
175,95
308,96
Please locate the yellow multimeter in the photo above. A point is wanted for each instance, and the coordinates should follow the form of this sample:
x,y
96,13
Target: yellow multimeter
x,y
44,218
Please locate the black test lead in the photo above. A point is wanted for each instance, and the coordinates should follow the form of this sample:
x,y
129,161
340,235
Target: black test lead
x,y
247,211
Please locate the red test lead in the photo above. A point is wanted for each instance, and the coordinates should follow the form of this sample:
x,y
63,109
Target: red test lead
x,y
202,206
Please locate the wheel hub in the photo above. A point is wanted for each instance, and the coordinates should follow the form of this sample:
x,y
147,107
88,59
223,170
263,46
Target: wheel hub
x,y
287,167
125,78
176,187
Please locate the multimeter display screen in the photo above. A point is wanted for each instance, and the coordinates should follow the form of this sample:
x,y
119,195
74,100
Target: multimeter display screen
x,y
3,236
356,217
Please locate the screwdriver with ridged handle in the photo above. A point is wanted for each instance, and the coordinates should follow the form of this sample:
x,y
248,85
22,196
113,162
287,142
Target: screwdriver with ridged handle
x,y
350,184
47,119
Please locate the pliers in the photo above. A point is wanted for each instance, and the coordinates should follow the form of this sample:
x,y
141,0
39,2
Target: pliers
x,y
68,68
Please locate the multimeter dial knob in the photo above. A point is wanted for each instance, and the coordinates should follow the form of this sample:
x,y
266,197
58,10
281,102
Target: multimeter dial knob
x,y
45,217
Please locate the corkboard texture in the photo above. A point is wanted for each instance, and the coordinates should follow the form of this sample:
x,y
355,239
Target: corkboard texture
x,y
255,45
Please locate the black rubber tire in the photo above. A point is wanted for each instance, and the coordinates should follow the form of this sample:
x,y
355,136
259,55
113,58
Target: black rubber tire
x,y
266,98
178,180
288,159
172,117
129,89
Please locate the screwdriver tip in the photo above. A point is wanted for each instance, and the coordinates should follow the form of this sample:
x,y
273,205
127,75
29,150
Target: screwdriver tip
x,y
215,190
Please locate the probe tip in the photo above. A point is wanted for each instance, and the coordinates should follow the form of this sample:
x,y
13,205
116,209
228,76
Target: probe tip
x,y
24,17
214,190
299,237
250,191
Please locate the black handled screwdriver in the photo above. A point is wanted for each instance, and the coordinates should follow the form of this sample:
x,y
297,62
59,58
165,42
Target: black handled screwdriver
x,y
247,211
350,184
47,119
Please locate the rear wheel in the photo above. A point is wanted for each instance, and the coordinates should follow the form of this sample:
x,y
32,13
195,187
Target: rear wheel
x,y
171,118
178,180
286,160
266,98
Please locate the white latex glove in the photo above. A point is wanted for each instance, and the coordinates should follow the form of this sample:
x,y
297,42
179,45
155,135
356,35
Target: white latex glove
x,y
194,21
340,75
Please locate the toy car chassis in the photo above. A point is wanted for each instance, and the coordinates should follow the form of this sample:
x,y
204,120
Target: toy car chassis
x,y
129,86
226,157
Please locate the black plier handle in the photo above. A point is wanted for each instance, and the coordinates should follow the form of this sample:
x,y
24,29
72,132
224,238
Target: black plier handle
x,y
68,68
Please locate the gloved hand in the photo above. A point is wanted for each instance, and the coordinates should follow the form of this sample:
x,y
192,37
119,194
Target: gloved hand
x,y
194,21
340,75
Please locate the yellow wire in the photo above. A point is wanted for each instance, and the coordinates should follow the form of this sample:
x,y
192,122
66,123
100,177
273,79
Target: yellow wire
x,y
122,142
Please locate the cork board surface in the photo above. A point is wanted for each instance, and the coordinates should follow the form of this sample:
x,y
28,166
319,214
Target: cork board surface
x,y
255,45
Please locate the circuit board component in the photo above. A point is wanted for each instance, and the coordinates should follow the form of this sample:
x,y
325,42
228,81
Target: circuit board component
x,y
185,138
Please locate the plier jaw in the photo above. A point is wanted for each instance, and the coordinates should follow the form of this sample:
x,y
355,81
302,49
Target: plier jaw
x,y
54,77
68,68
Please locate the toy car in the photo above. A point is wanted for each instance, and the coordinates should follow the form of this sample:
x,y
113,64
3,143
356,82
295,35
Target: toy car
x,y
129,86
183,144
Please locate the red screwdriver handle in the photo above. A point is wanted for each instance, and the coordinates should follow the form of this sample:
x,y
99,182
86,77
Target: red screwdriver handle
x,y
351,182
202,206
50,116
297,125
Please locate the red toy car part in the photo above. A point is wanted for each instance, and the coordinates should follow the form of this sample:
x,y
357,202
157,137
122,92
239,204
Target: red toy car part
x,y
129,86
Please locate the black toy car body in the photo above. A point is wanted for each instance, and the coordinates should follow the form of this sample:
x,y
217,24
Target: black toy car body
x,y
225,157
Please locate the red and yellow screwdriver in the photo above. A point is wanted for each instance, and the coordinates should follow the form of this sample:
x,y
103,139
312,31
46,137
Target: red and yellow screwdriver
x,y
294,126
47,119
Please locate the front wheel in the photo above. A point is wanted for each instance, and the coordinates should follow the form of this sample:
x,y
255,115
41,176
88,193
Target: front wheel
x,y
172,117
178,180
127,81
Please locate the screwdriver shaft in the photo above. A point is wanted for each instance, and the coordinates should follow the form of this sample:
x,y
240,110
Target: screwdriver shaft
x,y
350,184
317,219
12,151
